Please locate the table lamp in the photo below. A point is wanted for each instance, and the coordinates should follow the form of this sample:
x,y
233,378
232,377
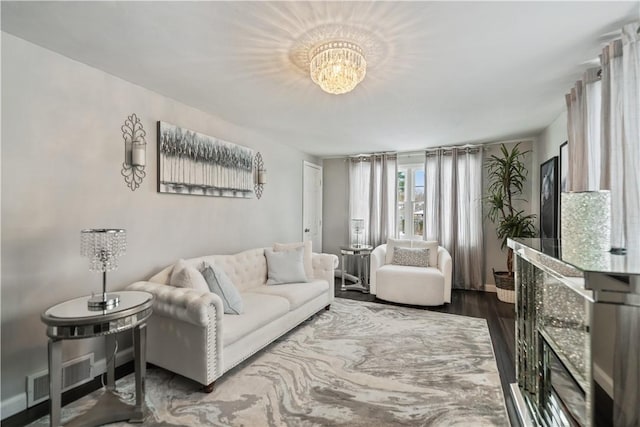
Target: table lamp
x,y
103,247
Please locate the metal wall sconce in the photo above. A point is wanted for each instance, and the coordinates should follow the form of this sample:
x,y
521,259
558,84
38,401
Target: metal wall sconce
x,y
135,152
260,174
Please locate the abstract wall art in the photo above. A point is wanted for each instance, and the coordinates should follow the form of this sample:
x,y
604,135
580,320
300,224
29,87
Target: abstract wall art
x,y
192,163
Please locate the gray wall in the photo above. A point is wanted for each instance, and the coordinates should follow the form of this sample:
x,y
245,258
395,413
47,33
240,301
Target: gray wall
x,y
335,209
495,257
62,151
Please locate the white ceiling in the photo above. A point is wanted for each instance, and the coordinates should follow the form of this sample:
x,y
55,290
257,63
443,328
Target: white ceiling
x,y
440,73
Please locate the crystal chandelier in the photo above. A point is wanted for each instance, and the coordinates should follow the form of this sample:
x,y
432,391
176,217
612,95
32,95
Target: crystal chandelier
x,y
337,66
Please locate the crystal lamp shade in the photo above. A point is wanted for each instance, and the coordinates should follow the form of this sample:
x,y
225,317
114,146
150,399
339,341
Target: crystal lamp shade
x,y
337,66
103,247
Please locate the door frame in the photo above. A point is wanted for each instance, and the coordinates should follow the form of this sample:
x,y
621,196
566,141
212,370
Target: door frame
x,y
305,164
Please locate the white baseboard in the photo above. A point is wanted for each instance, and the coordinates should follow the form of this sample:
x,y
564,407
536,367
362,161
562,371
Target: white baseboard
x,y
18,403
605,381
490,288
13,405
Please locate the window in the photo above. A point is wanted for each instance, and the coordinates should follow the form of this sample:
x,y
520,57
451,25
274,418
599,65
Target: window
x,y
410,201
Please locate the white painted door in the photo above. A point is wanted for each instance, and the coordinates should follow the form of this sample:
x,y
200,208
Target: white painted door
x,y
312,205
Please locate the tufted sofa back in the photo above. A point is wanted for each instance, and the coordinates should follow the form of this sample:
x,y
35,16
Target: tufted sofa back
x,y
246,269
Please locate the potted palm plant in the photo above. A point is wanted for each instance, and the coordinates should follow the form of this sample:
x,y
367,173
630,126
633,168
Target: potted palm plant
x,y
507,176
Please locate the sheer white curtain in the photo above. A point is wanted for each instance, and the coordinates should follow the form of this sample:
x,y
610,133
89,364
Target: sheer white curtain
x,y
584,109
453,210
620,148
626,371
372,195
612,141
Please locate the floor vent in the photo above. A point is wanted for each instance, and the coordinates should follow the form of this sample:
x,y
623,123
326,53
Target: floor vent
x,y
74,372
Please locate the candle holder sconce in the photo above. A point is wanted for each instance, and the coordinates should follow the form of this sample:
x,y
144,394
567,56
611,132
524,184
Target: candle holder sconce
x,y
260,174
135,152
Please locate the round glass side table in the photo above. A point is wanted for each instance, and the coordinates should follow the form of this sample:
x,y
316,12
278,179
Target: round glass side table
x,y
362,254
72,320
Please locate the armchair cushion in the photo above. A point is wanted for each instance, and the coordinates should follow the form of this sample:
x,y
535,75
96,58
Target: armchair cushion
x,y
432,245
416,257
395,243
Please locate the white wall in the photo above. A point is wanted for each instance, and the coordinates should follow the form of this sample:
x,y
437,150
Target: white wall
x,y
62,152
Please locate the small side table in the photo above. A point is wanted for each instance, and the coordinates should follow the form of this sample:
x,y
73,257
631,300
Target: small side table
x,y
362,255
72,320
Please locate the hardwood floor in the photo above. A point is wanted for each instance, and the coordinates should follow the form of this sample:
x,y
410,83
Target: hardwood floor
x,y
500,318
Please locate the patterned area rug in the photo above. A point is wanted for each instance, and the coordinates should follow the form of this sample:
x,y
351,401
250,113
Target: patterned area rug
x,y
359,364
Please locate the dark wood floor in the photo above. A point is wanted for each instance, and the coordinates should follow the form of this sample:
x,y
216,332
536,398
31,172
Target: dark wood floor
x,y
500,318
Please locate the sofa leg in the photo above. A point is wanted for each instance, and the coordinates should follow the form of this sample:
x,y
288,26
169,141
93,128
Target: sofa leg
x,y
328,307
209,388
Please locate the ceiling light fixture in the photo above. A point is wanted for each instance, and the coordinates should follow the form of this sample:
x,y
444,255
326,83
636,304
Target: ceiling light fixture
x,y
337,66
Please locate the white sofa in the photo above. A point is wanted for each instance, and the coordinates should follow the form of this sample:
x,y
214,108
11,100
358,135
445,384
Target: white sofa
x,y
189,334
426,286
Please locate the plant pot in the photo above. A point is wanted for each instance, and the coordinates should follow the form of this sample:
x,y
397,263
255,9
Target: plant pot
x,y
505,286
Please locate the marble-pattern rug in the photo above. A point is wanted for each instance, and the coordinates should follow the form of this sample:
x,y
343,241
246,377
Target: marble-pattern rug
x,y
359,364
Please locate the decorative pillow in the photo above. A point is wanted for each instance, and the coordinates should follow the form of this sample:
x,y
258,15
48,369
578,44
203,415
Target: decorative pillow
x,y
415,257
186,276
395,243
221,285
285,267
432,245
308,266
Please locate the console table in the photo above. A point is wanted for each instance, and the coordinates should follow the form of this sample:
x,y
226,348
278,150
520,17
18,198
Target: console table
x,y
558,290
73,320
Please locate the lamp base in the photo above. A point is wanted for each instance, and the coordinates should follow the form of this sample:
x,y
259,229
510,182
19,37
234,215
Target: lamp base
x,y
103,302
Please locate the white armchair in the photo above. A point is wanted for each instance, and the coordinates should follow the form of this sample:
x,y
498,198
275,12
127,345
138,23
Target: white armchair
x,y
408,284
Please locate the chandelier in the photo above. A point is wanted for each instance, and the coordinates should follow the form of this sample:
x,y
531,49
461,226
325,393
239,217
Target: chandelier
x,y
337,66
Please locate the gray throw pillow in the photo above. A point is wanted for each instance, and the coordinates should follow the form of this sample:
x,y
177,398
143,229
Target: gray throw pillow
x,y
285,267
414,257
221,285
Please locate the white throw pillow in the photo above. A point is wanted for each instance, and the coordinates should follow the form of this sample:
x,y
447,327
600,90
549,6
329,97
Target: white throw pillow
x,y
186,276
285,267
413,257
220,284
308,266
432,245
395,243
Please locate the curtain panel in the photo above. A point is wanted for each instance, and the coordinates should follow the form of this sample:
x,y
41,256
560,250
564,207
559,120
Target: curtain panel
x,y
372,195
453,210
583,127
618,156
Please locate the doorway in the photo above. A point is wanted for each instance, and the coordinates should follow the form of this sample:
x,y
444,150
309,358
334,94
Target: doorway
x,y
312,205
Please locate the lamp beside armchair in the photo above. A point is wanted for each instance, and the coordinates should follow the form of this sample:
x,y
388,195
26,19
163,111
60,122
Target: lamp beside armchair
x,y
428,284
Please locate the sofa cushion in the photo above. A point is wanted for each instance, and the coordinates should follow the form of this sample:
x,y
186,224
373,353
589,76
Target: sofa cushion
x,y
296,293
395,243
285,267
220,284
308,251
184,275
432,245
259,309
